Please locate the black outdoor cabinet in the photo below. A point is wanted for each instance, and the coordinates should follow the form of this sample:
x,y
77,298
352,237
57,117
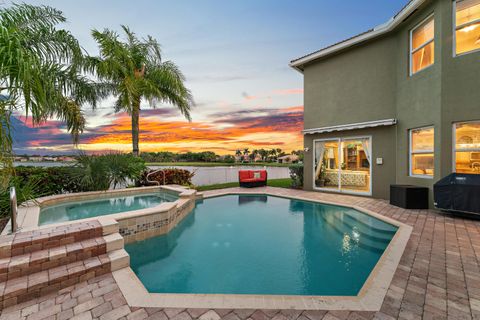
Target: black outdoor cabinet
x,y
409,197
458,192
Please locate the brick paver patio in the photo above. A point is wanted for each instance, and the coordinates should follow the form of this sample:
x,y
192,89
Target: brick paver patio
x,y
438,278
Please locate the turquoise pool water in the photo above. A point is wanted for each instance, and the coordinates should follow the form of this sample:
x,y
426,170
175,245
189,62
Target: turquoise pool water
x,y
246,244
93,208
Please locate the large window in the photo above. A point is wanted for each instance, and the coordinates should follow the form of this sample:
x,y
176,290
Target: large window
x,y
421,152
467,147
467,26
422,45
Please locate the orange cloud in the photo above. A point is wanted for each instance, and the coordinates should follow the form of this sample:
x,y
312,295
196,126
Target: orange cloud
x,y
222,132
279,127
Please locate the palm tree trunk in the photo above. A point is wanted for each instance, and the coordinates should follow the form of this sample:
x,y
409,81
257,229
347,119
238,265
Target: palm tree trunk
x,y
135,126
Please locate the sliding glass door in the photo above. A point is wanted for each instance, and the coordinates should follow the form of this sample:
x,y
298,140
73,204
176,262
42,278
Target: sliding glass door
x,y
343,165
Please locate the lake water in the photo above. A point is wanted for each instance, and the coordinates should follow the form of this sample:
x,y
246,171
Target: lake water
x,y
203,175
43,164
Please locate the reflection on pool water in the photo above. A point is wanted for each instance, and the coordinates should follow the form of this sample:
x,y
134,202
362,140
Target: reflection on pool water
x,y
99,207
246,244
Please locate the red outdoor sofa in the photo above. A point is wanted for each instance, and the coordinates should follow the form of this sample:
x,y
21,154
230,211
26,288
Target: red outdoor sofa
x,y
252,178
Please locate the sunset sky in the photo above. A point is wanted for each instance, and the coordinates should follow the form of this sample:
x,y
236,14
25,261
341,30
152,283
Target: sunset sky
x,y
235,56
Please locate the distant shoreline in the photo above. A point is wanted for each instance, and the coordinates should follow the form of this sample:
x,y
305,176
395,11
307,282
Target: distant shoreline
x,y
160,164
217,164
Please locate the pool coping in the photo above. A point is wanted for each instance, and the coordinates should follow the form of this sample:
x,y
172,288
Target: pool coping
x,y
29,212
370,297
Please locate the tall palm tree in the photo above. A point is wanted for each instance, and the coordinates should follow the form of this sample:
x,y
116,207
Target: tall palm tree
x,y
263,153
40,72
136,71
253,155
273,154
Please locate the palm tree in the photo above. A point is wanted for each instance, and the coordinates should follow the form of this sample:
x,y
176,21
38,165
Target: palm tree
x,y
238,155
136,71
273,154
263,153
40,72
253,155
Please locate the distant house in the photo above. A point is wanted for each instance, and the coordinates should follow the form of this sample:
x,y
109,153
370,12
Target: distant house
x,y
66,159
291,158
398,104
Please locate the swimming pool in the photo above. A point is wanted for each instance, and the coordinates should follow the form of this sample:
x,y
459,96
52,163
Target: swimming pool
x,y
266,245
99,207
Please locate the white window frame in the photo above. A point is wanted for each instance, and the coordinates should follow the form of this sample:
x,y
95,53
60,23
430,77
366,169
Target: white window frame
x,y
411,153
423,45
456,28
454,143
340,154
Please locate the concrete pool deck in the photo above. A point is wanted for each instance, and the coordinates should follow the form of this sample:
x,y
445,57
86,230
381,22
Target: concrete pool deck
x,y
437,277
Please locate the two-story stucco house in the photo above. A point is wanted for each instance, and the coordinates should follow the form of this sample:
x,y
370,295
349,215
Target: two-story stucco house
x,y
399,104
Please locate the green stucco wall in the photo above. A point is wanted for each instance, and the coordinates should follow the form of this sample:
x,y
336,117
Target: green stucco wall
x,y
352,87
372,82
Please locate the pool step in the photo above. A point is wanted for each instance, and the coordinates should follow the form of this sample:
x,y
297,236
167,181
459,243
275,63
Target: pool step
x,y
363,229
50,237
28,263
362,239
365,221
37,262
34,285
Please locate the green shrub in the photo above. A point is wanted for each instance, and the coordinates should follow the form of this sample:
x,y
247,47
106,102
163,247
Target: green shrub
x,y
53,180
34,182
25,191
172,176
91,173
229,159
296,174
95,173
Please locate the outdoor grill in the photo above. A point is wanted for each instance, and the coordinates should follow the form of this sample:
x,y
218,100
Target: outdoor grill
x,y
458,192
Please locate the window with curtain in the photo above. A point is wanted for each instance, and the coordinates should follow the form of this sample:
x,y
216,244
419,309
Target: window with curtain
x,y
467,26
422,46
422,152
467,147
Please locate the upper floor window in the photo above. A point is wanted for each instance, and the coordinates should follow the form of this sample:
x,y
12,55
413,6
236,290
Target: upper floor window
x,y
422,45
467,147
467,25
422,152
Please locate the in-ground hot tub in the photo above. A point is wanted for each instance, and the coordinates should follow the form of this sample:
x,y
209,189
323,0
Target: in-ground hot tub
x,y
140,212
102,206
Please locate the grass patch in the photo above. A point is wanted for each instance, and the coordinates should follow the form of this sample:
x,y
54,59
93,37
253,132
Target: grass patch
x,y
278,183
217,164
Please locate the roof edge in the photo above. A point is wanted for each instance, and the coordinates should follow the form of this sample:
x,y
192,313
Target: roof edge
x,y
390,25
352,126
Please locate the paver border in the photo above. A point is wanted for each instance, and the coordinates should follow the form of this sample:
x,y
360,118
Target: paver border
x,y
370,297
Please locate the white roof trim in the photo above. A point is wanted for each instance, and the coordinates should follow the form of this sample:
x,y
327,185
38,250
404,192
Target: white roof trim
x,y
352,126
377,31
